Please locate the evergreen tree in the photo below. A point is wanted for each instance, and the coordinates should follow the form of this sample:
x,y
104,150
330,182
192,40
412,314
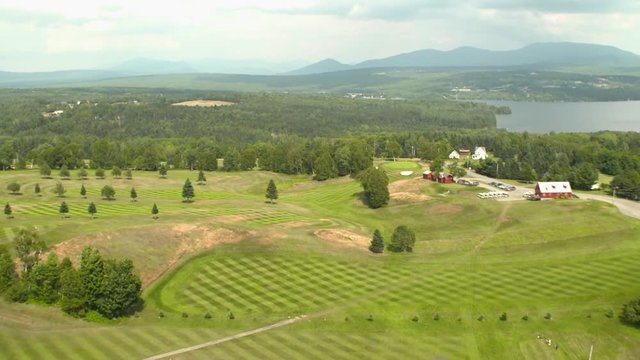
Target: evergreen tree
x,y
59,189
99,173
63,209
36,190
377,243
8,211
128,175
375,184
45,171
116,172
163,171
64,172
8,274
231,160
272,191
83,174
403,239
201,178
108,192
14,187
187,191
325,167
133,195
92,210
83,192
155,211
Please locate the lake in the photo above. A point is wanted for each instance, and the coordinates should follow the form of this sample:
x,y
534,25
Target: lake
x,y
542,117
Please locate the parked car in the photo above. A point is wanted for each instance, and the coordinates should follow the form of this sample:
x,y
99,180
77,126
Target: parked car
x,y
467,182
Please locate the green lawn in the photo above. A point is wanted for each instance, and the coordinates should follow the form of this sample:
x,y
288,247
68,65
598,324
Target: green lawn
x,y
574,259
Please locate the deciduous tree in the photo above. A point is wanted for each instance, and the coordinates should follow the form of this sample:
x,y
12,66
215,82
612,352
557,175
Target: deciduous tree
x,y
163,171
64,172
83,174
108,192
403,239
8,274
28,248
14,187
116,172
99,173
45,171
375,184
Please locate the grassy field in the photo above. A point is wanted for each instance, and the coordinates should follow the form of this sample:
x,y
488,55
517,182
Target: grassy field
x,y
229,251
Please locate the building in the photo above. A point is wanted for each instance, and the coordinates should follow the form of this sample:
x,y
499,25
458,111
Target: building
x,y
464,152
552,190
445,178
480,153
428,175
454,155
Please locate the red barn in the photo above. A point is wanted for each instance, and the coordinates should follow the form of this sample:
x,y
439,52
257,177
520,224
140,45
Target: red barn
x,y
445,178
551,190
428,175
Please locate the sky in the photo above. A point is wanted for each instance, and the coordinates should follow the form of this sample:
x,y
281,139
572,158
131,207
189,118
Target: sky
x,y
44,35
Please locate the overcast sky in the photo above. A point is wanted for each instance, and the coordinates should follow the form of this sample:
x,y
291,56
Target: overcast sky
x,y
38,35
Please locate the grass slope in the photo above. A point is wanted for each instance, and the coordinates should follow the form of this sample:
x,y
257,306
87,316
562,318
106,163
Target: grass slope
x,y
574,259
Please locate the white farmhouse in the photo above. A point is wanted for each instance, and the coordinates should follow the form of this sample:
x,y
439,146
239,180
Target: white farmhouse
x,y
480,153
454,155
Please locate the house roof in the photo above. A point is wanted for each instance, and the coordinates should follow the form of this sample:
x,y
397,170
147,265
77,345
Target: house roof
x,y
555,187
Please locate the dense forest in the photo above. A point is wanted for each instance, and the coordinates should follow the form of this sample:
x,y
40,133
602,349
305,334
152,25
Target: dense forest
x,y
326,136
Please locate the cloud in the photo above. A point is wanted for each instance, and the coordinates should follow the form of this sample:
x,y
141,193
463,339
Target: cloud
x,y
562,6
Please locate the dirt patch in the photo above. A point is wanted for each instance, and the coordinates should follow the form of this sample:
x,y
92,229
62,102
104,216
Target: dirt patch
x,y
204,103
153,250
343,238
446,209
409,190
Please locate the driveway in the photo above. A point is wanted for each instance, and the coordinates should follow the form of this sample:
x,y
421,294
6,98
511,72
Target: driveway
x,y
626,207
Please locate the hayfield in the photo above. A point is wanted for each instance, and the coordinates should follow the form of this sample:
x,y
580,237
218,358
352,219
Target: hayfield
x,y
230,251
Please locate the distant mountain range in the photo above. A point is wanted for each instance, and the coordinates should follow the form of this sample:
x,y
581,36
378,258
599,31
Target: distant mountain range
x,y
543,56
535,55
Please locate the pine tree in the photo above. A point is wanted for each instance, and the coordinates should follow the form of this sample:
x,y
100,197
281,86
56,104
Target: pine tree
x,y
128,175
133,195
99,173
272,191
7,211
163,171
92,210
155,211
83,191
36,190
201,178
187,191
64,209
377,243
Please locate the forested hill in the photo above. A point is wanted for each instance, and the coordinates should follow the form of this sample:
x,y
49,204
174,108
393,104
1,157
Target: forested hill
x,y
123,113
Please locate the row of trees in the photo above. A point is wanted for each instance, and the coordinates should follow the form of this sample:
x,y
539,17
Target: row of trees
x,y
403,239
106,286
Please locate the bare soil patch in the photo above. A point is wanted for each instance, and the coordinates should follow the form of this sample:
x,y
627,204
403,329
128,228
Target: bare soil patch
x,y
446,208
343,238
407,190
204,103
153,250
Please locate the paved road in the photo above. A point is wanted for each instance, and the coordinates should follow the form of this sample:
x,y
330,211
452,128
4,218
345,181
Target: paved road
x,y
626,207
228,338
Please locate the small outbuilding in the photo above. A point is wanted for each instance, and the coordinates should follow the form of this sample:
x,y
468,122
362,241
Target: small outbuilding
x,y
555,189
454,155
428,175
445,178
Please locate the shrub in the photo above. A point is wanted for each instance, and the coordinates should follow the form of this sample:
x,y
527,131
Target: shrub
x,y
548,316
481,318
415,318
631,312
185,315
208,316
160,314
436,317
370,317
525,318
231,316
503,317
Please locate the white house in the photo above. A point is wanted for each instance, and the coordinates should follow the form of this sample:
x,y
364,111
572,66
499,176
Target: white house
x,y
454,155
480,153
